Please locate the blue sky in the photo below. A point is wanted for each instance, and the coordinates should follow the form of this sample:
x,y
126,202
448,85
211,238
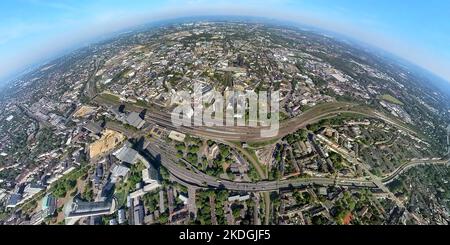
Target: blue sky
x,y
34,30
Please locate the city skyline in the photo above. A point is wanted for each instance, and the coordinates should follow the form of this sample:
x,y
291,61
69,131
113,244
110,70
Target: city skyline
x,y
34,31
349,137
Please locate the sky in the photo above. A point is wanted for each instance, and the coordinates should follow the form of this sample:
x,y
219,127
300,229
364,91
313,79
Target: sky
x,y
32,31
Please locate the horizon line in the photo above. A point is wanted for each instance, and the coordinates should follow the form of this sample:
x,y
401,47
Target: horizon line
x,y
110,36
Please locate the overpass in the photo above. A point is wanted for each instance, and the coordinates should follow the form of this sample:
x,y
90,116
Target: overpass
x,y
405,167
197,178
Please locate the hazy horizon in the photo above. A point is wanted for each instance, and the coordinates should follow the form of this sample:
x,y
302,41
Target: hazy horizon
x,y
78,23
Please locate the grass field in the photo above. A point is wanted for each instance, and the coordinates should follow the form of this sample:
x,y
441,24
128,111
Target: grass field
x,y
391,99
262,144
110,97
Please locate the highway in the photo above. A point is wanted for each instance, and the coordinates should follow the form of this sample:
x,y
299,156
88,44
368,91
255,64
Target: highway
x,y
199,179
253,134
194,177
364,166
415,163
394,174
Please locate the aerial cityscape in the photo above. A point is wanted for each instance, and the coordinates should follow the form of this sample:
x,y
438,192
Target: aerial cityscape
x,y
362,138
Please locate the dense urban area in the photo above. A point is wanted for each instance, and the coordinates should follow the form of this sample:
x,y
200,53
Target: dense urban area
x,y
88,138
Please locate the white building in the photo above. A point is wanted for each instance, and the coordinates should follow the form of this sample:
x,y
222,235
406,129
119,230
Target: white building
x,y
174,135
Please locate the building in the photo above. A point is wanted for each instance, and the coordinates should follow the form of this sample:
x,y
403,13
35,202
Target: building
x,y
146,189
177,136
213,151
138,215
135,120
126,154
118,171
37,218
98,174
150,175
129,155
75,208
319,150
184,199
323,191
48,205
13,200
56,176
95,220
238,198
448,140
33,189
93,128
121,216
149,219
2,194
118,113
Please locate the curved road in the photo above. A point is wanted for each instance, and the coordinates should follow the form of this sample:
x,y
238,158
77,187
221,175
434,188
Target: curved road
x,y
197,178
289,126
405,167
248,134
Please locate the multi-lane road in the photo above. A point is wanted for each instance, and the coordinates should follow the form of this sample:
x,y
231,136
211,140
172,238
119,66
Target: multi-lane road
x,y
253,134
199,179
196,178
412,164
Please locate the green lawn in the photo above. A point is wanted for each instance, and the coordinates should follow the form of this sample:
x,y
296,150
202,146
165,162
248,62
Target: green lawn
x,y
110,97
391,99
262,144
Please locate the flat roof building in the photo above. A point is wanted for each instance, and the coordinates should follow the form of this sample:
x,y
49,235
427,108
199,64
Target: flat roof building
x,y
48,205
76,208
33,188
13,200
118,171
177,136
126,154
93,128
239,198
150,175
135,120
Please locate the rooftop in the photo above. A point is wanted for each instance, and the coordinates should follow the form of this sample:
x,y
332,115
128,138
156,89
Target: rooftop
x,y
126,154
